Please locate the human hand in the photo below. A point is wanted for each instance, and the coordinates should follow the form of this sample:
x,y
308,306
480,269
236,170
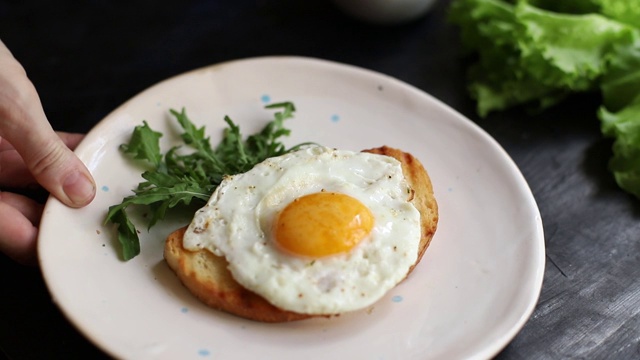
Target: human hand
x,y
32,153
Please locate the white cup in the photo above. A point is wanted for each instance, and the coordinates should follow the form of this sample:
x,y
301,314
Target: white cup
x,y
387,12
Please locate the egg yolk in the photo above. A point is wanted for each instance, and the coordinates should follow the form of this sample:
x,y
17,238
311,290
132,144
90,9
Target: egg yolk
x,y
322,224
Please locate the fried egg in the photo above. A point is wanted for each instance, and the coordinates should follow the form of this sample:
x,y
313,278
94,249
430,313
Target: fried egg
x,y
315,231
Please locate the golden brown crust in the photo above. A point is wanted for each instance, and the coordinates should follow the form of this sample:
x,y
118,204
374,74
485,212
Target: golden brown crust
x,y
207,277
423,200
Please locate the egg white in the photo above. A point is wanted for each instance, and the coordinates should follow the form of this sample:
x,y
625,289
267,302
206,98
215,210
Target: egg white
x,y
237,223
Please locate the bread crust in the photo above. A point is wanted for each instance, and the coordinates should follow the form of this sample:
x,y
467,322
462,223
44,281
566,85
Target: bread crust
x,y
206,275
424,200
207,278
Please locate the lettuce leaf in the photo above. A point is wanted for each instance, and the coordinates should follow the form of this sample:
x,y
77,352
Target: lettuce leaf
x,y
534,53
625,11
530,55
620,116
624,127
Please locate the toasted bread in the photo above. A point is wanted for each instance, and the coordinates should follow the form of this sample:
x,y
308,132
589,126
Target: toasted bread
x,y
207,277
423,198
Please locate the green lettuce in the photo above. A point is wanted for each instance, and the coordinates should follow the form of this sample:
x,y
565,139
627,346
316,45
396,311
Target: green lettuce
x,y
534,53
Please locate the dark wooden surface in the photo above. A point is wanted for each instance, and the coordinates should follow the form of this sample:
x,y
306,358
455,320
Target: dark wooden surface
x,y
87,57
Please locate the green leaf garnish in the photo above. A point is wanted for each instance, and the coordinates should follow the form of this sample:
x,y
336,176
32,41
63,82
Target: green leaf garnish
x,y
178,179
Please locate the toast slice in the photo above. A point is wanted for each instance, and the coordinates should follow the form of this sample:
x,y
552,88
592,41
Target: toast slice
x,y
423,198
206,275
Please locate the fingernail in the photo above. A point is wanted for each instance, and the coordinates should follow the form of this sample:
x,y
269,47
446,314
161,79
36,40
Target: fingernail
x,y
79,188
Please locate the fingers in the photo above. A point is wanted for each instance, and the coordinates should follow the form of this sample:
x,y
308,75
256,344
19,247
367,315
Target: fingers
x,y
24,124
29,208
5,145
13,171
18,234
70,139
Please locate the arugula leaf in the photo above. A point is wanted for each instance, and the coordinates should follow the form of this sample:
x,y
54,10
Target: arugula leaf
x,y
178,179
126,232
144,145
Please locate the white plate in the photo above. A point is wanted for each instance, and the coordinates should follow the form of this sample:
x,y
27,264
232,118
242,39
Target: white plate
x,y
473,291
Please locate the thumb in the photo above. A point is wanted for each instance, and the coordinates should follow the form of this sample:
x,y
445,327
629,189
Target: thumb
x,y
24,124
49,160
58,170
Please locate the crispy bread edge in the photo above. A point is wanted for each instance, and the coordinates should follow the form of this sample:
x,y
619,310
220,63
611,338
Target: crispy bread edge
x,y
207,277
424,199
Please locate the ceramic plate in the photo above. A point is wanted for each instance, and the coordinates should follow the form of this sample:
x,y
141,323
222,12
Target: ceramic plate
x,y
473,291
